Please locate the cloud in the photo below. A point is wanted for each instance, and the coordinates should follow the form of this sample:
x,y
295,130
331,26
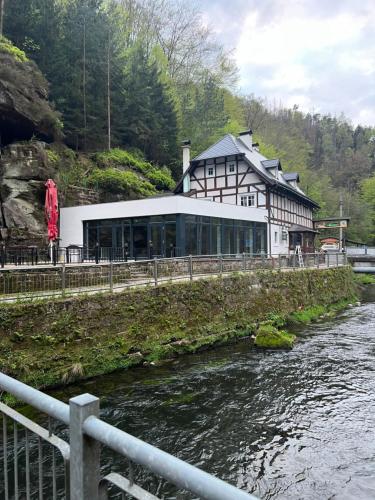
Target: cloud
x,y
317,54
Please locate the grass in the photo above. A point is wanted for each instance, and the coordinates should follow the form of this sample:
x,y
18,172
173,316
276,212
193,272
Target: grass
x,y
309,314
365,279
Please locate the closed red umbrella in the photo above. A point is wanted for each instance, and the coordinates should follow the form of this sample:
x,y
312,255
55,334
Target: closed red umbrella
x,y
51,210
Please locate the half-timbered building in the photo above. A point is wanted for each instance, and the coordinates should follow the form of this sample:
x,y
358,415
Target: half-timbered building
x,y
233,171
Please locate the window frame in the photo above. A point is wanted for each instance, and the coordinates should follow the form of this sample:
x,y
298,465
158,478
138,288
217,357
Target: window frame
x,y
210,167
248,197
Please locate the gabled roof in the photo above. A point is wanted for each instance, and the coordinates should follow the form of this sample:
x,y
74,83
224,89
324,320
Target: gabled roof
x,y
226,146
230,146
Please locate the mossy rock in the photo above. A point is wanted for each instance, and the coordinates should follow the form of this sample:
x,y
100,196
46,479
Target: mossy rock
x,y
270,337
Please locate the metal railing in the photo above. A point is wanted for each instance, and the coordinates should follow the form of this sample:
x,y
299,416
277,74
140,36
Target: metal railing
x,y
33,255
80,477
71,279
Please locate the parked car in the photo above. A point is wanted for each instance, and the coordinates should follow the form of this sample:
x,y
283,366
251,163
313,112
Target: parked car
x,y
329,247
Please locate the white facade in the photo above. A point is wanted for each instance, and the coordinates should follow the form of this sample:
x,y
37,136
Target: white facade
x,y
71,218
233,171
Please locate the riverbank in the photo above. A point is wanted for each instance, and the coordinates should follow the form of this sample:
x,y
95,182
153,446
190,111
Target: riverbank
x,y
54,342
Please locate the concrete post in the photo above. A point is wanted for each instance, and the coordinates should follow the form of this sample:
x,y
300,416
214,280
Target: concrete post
x,y
243,261
63,279
111,276
191,267
84,451
156,271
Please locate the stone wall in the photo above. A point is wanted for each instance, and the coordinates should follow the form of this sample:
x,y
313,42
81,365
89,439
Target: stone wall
x,y
49,342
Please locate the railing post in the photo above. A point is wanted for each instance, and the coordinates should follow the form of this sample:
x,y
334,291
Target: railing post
x,y
337,260
327,259
84,451
191,267
279,261
63,278
97,254
155,271
243,261
111,276
2,256
220,265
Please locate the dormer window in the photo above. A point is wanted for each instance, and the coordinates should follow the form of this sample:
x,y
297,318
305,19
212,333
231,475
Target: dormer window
x,y
232,168
210,171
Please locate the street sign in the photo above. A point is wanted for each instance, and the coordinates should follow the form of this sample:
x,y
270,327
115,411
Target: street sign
x,y
332,224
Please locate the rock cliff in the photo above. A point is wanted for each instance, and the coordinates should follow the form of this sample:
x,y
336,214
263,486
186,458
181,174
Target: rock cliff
x,y
24,108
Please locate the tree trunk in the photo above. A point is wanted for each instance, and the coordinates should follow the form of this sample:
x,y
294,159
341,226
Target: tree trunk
x,y
109,91
84,85
2,2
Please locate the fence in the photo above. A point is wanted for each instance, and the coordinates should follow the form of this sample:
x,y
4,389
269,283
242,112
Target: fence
x,y
70,279
33,256
31,468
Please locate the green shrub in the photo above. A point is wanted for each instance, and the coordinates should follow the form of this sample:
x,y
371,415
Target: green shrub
x,y
161,179
52,156
116,158
119,182
7,46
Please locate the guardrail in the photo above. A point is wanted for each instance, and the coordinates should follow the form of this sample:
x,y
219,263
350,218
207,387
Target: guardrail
x,y
80,477
71,279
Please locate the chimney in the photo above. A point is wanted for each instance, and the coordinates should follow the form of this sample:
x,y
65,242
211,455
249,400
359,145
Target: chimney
x,y
256,146
185,155
247,138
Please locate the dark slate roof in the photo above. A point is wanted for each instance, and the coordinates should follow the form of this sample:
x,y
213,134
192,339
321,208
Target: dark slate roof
x,y
230,146
291,176
226,146
275,163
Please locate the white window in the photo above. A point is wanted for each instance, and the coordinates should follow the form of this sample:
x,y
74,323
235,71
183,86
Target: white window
x,y
232,167
248,200
210,171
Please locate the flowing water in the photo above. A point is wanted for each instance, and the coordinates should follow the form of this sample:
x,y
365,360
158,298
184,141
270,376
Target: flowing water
x,y
296,424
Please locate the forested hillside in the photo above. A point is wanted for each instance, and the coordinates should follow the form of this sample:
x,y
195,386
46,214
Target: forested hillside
x,y
141,75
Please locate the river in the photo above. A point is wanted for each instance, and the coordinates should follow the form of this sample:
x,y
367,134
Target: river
x,y
279,424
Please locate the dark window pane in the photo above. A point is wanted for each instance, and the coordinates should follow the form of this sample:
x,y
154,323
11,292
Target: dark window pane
x,y
105,236
140,241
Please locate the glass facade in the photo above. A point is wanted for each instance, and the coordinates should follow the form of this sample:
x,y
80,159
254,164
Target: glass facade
x,y
176,235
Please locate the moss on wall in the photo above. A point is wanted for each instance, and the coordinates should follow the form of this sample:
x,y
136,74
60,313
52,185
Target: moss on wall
x,y
51,342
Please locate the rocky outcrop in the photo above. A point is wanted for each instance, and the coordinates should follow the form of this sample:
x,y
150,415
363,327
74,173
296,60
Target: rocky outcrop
x,y
24,108
24,170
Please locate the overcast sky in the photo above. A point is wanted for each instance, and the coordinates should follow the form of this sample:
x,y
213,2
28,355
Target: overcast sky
x,y
319,54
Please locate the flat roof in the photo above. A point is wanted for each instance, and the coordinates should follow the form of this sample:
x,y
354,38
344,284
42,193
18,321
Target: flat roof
x,y
162,206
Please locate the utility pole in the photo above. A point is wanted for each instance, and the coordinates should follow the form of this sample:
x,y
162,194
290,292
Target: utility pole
x,y
109,90
341,231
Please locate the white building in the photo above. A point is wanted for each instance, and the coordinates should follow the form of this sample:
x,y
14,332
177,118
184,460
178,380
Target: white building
x,y
230,200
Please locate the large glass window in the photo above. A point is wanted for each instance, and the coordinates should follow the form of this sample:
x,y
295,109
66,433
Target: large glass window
x,y
175,235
